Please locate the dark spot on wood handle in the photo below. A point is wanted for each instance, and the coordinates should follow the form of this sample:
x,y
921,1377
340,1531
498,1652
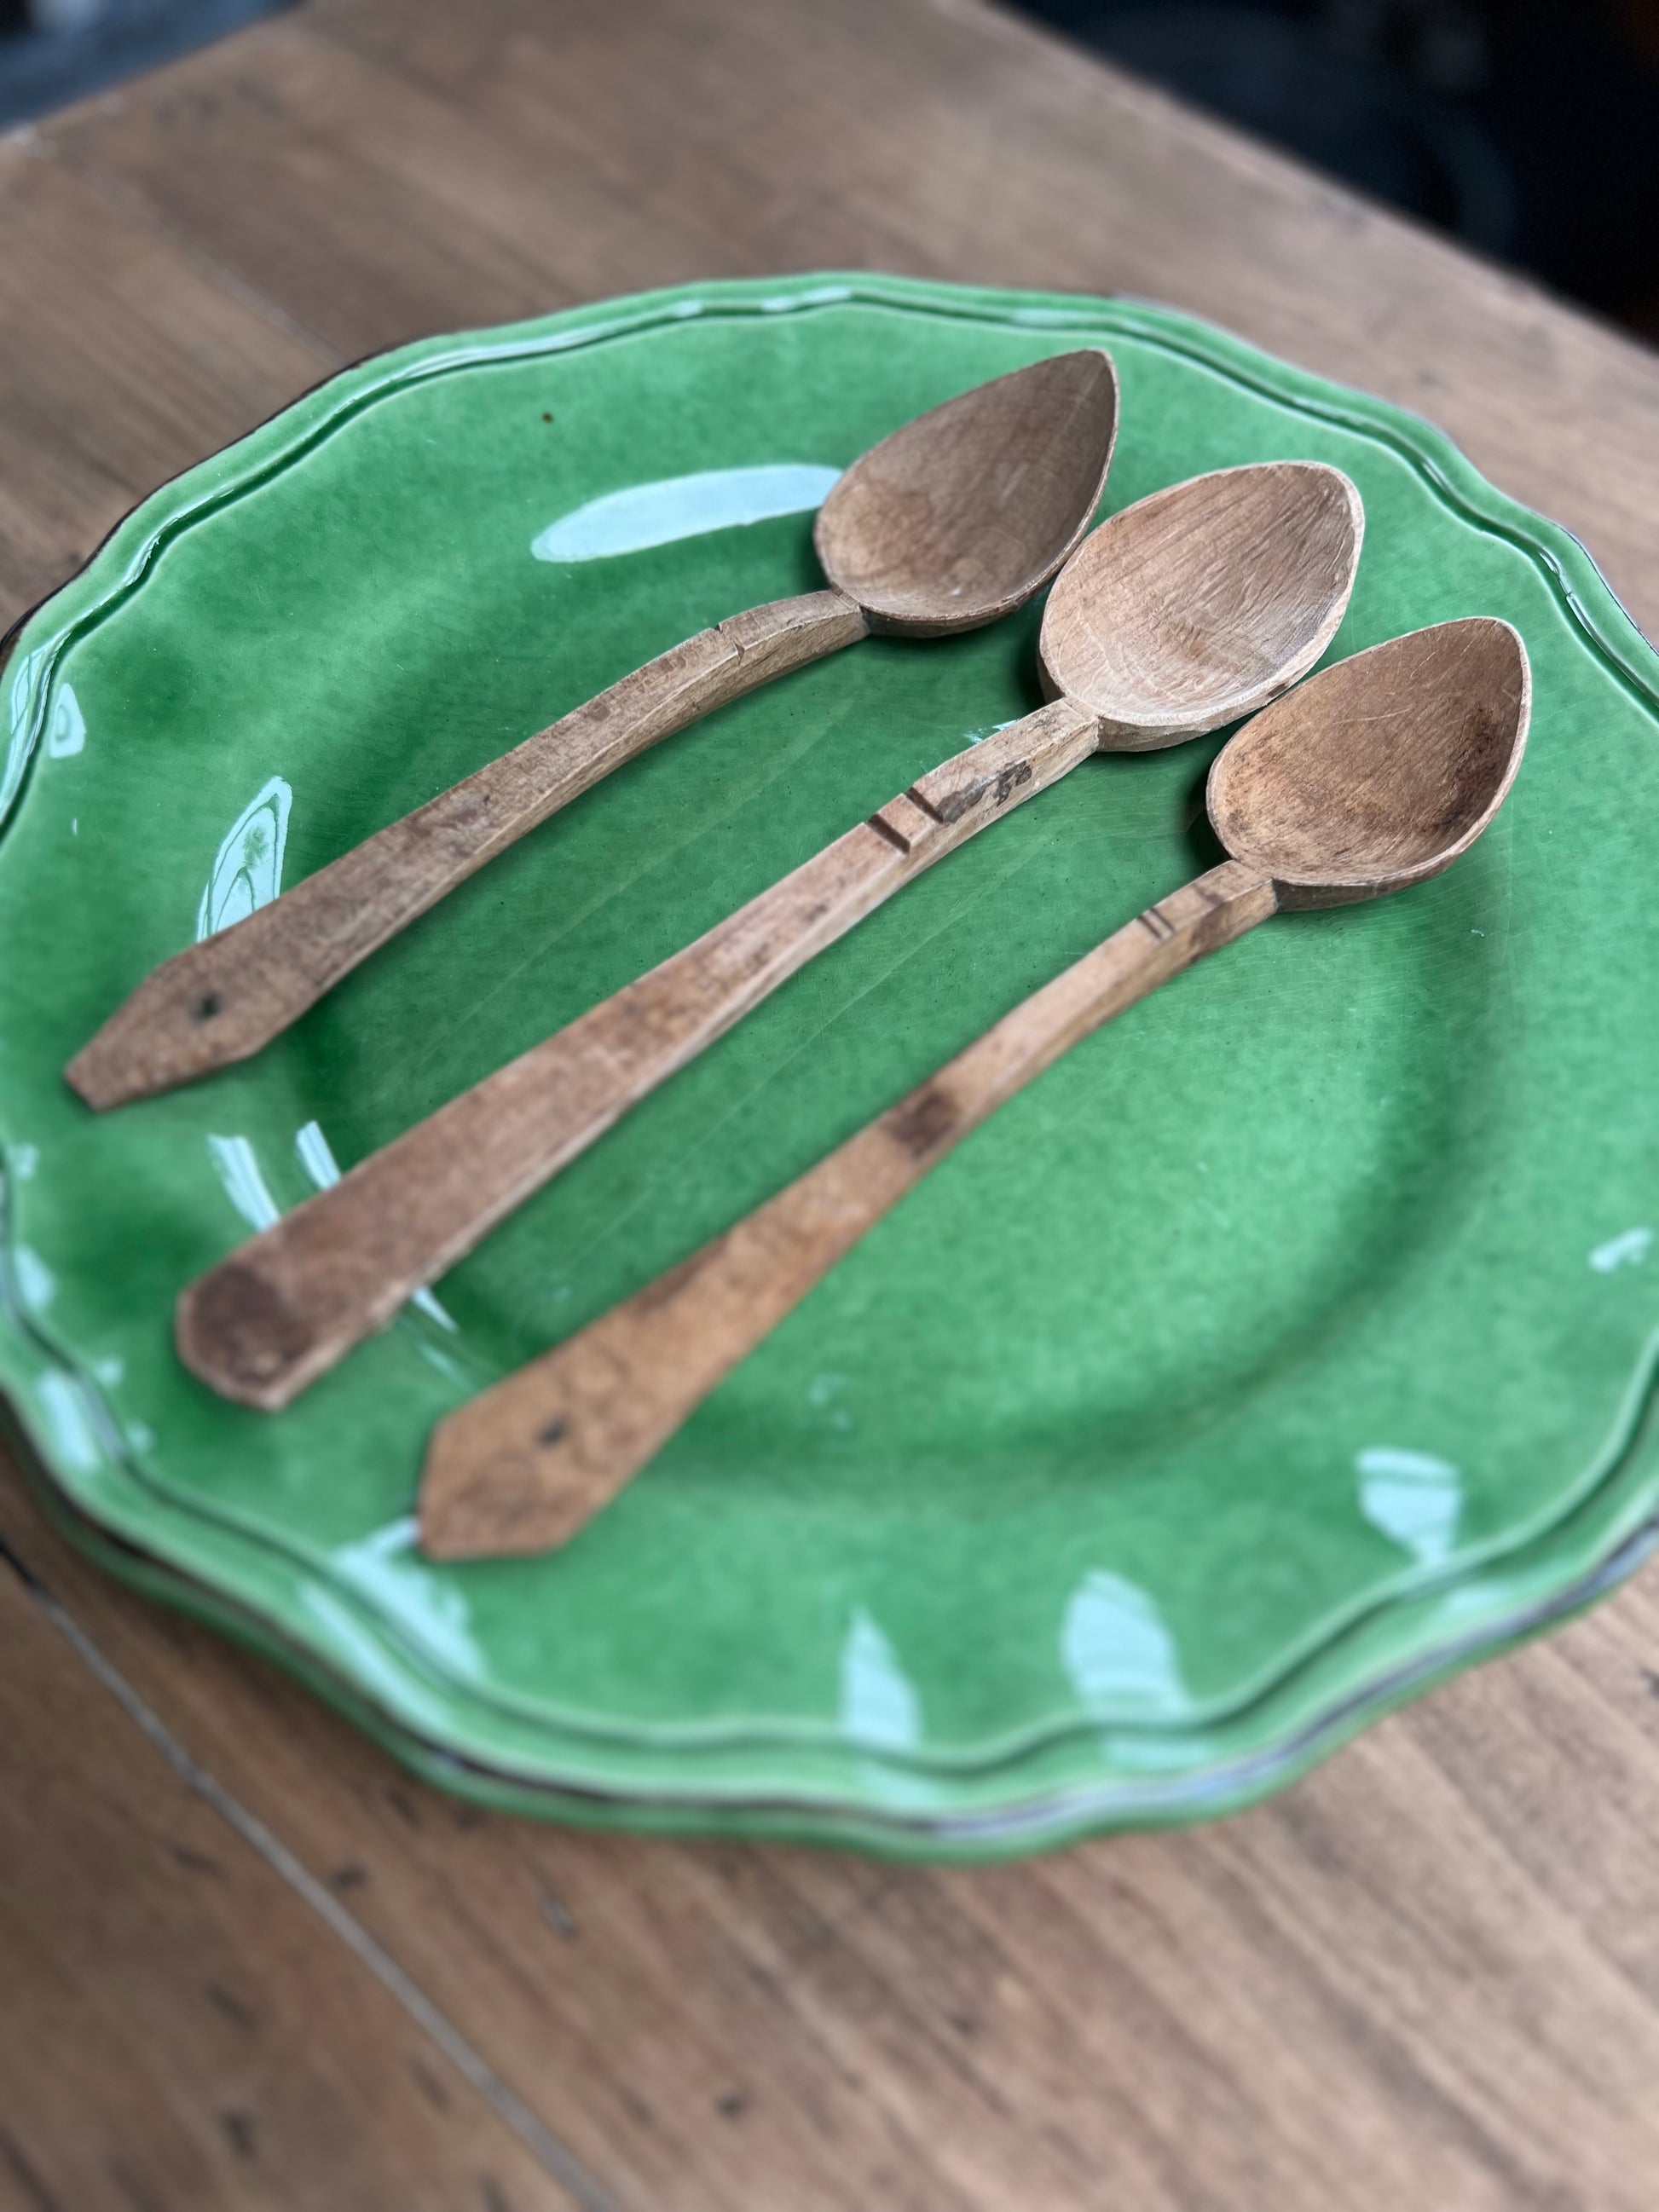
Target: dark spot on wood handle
x,y
242,1320
210,1004
1000,786
923,1122
553,1433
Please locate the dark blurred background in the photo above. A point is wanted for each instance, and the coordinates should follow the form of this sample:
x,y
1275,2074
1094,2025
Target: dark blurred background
x,y
52,51
1530,128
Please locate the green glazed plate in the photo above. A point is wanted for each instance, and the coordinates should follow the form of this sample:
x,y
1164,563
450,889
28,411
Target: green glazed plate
x,y
1289,1344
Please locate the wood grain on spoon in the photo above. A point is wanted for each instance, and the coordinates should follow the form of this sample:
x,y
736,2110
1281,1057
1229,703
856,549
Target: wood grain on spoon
x,y
1375,775
951,522
1268,555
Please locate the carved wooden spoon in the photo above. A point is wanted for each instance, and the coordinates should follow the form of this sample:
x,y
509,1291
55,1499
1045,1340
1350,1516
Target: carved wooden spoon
x,y
951,522
1183,612
1374,775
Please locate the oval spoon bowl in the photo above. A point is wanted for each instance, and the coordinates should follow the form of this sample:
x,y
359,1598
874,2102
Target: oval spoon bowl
x,y
956,519
1205,600
1380,771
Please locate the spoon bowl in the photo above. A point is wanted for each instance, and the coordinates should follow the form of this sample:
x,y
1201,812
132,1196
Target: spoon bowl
x,y
1204,601
1382,770
959,516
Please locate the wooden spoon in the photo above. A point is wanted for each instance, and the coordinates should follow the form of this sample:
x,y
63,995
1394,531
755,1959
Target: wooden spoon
x,y
1376,774
1181,613
951,522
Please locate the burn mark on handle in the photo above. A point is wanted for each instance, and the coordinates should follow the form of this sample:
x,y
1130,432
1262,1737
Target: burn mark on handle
x,y
1018,773
1001,787
923,1122
240,1322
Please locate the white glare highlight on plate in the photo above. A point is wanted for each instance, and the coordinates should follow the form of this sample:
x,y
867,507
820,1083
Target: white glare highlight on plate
x,y
20,734
238,1170
66,732
387,1567
878,1701
72,1430
684,506
36,1284
247,869
1627,1251
1412,1497
1115,1644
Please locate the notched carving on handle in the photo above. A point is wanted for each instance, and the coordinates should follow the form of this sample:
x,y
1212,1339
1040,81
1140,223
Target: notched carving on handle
x,y
1034,751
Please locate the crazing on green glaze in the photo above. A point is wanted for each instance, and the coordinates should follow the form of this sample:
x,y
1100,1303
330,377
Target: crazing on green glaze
x,y
1289,1344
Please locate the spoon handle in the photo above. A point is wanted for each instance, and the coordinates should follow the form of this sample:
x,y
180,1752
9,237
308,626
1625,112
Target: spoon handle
x,y
221,999
290,1303
523,1466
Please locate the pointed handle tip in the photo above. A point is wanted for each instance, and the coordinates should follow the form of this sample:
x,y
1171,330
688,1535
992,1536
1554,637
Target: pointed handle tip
x,y
99,1078
479,1501
184,1020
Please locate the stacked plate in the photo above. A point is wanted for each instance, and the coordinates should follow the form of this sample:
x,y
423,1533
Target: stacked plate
x,y
1286,1346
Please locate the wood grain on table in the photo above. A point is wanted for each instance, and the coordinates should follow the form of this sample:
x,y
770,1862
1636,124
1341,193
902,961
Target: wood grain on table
x,y
244,1961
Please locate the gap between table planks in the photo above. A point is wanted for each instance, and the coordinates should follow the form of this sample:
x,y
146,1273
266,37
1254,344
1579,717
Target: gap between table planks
x,y
1432,1969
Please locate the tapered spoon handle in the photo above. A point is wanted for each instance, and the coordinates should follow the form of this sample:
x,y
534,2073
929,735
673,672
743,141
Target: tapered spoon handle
x,y
222,1000
290,1303
526,1465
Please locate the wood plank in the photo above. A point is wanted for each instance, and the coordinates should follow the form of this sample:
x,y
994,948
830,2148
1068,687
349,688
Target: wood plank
x,y
378,172
125,361
1429,1971
364,207
177,2027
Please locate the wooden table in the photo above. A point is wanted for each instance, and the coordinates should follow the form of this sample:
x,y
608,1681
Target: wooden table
x,y
243,1961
